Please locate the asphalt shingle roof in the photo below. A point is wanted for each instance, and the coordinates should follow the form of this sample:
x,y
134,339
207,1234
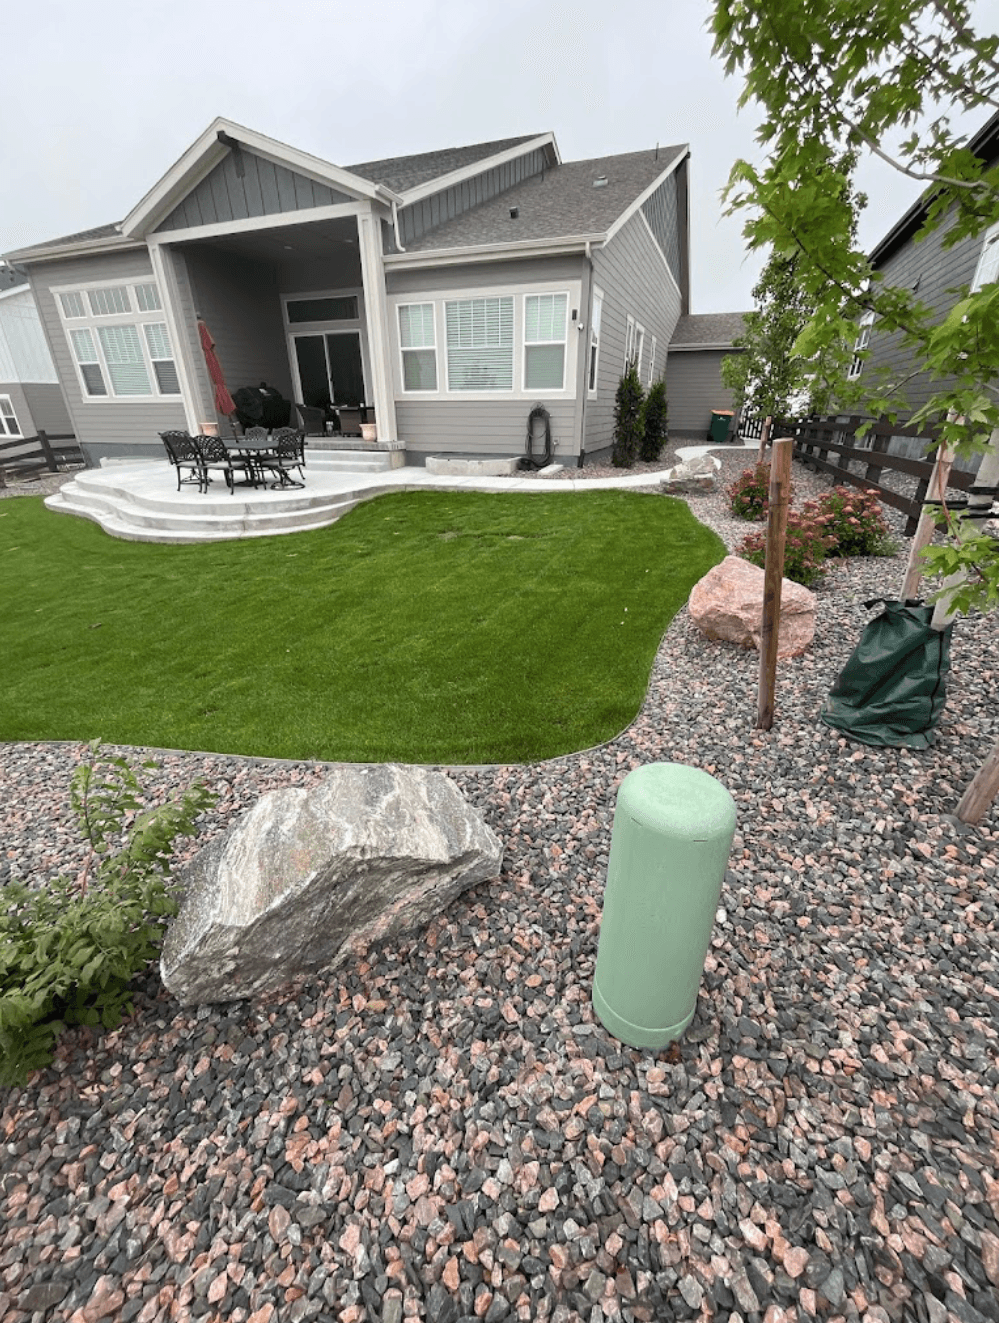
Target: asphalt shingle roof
x,y
561,202
403,172
708,328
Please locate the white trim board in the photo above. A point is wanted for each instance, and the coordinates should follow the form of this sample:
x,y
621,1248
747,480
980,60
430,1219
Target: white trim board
x,y
442,182
251,224
626,215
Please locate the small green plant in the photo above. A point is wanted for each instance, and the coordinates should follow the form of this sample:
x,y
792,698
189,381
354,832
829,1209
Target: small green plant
x,y
628,427
855,519
749,495
805,547
654,423
69,950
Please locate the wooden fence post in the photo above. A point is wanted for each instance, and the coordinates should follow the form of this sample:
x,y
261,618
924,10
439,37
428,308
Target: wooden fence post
x,y
764,437
780,491
46,449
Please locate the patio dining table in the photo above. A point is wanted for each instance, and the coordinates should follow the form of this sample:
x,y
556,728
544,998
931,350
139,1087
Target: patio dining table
x,y
251,449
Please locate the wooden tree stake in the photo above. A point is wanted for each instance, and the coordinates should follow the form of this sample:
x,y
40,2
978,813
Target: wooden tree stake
x,y
936,491
982,790
773,571
764,437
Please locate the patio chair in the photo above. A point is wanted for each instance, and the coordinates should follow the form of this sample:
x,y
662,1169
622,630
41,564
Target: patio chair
x,y
255,433
350,420
313,419
183,454
287,453
215,456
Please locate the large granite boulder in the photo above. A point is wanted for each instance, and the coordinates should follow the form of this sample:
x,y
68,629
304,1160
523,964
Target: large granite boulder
x,y
692,476
728,604
307,875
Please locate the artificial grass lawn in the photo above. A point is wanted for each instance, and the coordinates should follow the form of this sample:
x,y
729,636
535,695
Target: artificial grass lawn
x,y
421,627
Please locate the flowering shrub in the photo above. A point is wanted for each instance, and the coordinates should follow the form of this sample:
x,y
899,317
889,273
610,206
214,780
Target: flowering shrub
x,y
749,495
855,519
805,547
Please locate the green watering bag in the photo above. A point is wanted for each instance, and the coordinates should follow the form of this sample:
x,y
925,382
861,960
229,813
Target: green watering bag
x,y
893,688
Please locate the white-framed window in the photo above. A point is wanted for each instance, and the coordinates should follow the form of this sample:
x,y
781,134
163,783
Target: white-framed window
x,y
595,316
630,335
652,361
546,318
479,339
639,347
120,343
9,425
863,340
987,270
418,345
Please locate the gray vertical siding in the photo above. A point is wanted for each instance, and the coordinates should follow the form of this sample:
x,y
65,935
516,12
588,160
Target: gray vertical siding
x,y
240,302
660,210
101,426
694,386
417,219
263,189
939,270
631,272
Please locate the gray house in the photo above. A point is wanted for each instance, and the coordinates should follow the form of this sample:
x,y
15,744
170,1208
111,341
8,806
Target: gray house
x,y
31,398
933,272
693,370
452,291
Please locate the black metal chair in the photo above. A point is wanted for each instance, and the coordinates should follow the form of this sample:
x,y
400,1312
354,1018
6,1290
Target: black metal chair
x,y
215,456
313,419
183,454
286,454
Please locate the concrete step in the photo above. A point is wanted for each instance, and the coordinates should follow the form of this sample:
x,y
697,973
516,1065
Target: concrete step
x,y
101,486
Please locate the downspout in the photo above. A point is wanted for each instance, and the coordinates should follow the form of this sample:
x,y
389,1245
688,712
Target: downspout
x,y
587,303
395,226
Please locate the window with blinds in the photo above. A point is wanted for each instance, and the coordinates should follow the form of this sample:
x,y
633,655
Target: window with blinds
x,y
545,320
479,344
595,316
418,342
115,357
8,418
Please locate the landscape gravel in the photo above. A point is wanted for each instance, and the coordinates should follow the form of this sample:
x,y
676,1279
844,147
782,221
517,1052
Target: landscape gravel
x,y
444,1131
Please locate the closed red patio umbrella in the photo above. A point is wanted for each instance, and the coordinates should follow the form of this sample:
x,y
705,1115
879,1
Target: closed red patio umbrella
x,y
223,400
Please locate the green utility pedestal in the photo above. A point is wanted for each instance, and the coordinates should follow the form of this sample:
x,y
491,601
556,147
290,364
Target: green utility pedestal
x,y
673,829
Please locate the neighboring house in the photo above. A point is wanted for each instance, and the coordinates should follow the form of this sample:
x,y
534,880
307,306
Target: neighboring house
x,y
693,370
31,398
452,290
934,272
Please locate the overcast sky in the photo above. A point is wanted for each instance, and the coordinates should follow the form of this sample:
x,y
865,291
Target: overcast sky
x,y
100,100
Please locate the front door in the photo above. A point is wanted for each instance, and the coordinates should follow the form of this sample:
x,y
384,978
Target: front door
x,y
330,368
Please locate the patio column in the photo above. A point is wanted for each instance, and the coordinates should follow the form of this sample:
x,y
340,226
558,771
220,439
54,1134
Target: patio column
x,y
369,234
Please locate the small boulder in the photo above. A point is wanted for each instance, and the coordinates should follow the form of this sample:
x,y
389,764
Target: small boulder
x,y
307,875
728,604
693,475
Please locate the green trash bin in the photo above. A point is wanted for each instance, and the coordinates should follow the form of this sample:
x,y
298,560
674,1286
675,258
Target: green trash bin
x,y
673,828
721,421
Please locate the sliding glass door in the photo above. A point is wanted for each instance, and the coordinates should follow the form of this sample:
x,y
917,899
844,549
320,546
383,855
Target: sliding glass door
x,y
330,369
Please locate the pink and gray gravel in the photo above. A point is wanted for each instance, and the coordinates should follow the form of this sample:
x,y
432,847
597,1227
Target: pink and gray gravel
x,y
444,1131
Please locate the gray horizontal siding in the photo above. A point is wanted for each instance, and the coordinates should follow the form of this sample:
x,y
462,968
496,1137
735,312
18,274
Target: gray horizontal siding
x,y
263,189
517,271
939,270
478,427
46,406
25,419
115,423
694,388
632,274
416,220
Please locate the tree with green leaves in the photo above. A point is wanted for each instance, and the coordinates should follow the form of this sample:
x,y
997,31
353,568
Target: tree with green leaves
x,y
769,376
880,77
835,82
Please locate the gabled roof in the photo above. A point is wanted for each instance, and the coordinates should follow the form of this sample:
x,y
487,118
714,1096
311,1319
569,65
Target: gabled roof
x,y
708,330
403,173
564,201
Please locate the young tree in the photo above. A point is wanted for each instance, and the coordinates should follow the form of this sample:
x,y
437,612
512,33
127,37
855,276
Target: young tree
x,y
849,77
839,80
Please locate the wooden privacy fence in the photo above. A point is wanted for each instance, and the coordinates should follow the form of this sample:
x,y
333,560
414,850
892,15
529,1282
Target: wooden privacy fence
x,y
46,456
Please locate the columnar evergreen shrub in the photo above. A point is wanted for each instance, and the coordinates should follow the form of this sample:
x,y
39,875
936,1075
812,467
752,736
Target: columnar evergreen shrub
x,y
627,419
69,950
654,423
